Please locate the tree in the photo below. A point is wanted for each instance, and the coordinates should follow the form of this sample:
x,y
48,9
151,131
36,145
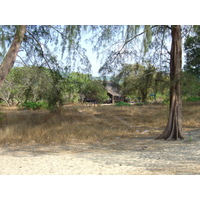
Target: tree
x,y
94,90
173,129
136,79
14,86
192,49
129,34
121,47
31,84
193,88
145,82
74,83
11,55
161,83
36,43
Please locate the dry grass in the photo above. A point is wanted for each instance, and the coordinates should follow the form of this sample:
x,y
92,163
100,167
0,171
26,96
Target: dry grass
x,y
87,124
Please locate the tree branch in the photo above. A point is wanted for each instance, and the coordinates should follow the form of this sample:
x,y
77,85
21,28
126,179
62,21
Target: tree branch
x,y
129,40
22,60
41,50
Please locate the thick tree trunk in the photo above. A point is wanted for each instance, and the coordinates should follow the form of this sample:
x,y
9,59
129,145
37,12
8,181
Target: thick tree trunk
x,y
11,55
173,130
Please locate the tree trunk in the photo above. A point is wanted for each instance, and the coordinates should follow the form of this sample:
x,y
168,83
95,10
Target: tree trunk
x,y
144,96
11,55
173,130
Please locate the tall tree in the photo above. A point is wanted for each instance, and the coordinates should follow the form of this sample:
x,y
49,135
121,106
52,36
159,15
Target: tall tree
x,y
11,55
129,34
136,79
173,129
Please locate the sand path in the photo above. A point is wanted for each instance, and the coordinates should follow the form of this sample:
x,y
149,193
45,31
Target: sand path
x,y
122,156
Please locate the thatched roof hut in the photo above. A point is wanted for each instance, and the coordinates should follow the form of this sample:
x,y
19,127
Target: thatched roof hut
x,y
112,92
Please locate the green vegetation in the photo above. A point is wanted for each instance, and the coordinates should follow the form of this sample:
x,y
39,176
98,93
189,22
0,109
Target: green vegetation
x,y
192,50
74,83
94,90
193,99
28,86
33,105
136,80
32,84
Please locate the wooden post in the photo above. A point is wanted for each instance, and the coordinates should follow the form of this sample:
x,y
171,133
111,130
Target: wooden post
x,y
113,99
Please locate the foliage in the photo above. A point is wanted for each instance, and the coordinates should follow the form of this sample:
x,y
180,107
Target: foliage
x,y
121,103
193,99
54,96
74,84
124,43
95,90
43,42
33,84
193,88
190,139
166,101
137,80
192,50
34,105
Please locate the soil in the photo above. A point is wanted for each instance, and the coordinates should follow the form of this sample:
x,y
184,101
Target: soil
x,y
141,155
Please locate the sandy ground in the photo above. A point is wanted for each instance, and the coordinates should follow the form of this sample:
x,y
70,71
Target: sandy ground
x,y
122,156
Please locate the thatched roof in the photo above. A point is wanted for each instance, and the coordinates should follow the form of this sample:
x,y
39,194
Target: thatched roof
x,y
112,91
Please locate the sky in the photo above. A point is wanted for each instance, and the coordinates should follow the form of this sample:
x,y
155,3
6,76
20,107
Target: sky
x,y
93,59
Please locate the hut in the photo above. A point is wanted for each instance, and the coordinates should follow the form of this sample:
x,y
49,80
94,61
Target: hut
x,y
112,92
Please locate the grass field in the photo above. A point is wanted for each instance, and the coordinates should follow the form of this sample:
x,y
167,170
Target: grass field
x,y
79,123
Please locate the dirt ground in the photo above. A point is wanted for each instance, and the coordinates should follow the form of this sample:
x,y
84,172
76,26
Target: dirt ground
x,y
141,155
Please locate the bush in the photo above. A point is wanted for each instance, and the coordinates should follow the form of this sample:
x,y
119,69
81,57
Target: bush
x,y
166,101
95,90
121,103
34,105
192,99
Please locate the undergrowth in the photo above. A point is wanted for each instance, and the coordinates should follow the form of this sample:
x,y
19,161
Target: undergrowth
x,y
33,105
121,103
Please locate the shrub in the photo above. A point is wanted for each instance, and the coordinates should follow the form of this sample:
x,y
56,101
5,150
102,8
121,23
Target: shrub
x,y
166,101
121,103
192,99
34,105
95,90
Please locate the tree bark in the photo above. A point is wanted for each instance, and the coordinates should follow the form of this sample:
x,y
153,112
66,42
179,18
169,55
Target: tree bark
x,y
144,96
11,55
173,130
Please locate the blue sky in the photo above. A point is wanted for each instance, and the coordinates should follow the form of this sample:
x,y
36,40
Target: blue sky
x,y
93,59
